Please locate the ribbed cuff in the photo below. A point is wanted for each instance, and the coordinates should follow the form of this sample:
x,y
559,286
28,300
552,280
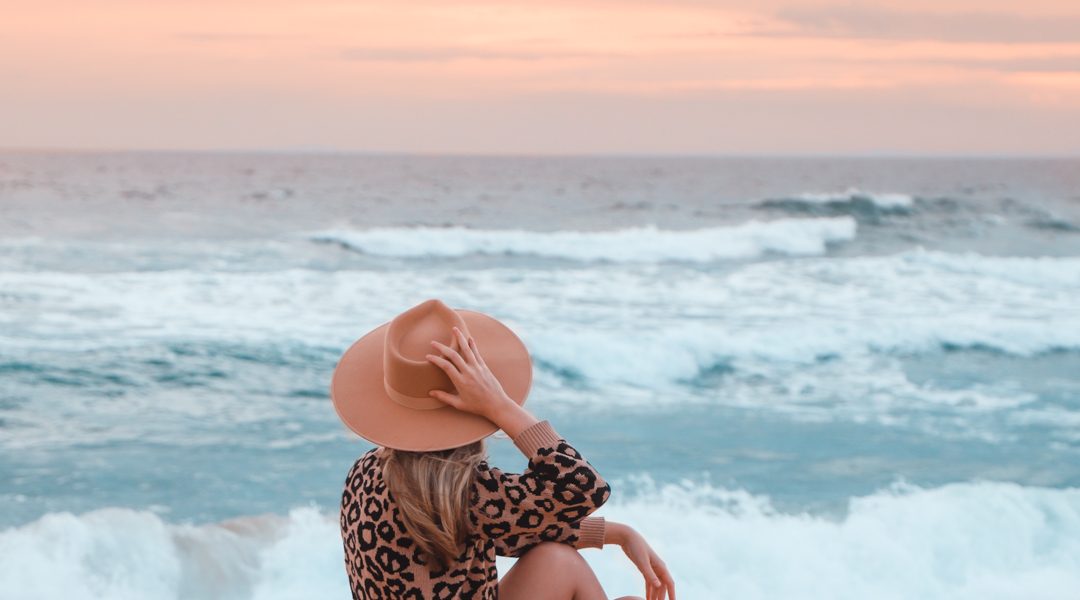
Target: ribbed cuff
x,y
591,533
536,436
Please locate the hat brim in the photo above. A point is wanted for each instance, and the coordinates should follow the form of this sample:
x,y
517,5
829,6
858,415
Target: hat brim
x,y
361,401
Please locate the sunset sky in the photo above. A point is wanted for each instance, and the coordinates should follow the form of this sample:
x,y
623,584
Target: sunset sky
x,y
584,76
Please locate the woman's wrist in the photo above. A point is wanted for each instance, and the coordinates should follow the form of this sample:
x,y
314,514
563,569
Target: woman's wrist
x,y
616,533
511,417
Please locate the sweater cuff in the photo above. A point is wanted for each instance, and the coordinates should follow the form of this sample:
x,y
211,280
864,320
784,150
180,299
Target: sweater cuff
x,y
591,533
536,436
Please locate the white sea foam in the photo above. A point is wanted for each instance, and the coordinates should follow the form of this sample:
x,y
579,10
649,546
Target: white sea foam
x,y
641,244
644,325
976,540
781,310
826,336
802,311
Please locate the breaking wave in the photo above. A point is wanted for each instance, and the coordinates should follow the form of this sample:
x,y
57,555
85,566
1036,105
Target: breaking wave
x,y
965,540
864,206
881,200
750,239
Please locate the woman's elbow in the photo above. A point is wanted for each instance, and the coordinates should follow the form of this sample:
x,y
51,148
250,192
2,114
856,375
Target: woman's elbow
x,y
600,493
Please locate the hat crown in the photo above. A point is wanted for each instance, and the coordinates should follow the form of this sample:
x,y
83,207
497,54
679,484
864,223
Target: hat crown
x,y
365,385
407,375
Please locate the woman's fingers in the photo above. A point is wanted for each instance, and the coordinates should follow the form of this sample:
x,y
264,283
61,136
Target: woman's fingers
x,y
465,349
446,366
665,576
651,580
476,351
669,583
451,399
451,354
661,590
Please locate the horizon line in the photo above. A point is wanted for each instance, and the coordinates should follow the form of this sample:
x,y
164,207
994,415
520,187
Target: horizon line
x,y
540,155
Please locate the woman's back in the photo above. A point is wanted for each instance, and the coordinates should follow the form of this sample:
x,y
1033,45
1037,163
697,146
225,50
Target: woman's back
x,y
509,513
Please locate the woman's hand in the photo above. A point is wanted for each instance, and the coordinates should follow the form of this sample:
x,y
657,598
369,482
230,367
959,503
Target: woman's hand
x,y
658,581
478,391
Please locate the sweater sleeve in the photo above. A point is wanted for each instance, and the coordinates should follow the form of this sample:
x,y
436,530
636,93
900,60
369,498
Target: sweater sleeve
x,y
550,501
586,533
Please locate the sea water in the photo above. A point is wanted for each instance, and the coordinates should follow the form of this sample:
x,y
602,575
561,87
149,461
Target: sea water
x,y
827,378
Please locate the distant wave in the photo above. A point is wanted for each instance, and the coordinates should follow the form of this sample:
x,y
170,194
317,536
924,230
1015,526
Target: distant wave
x,y
965,540
1051,223
853,201
641,244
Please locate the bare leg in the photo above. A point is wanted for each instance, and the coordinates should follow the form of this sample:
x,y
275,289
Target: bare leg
x,y
551,571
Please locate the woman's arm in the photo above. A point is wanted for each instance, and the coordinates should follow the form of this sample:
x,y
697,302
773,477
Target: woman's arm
x,y
549,499
552,498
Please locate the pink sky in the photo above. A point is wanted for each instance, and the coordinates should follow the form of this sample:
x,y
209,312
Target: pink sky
x,y
585,76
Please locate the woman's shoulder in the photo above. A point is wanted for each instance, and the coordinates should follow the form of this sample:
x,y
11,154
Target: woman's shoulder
x,y
365,465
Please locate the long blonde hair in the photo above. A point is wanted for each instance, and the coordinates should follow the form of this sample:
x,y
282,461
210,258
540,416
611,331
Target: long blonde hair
x,y
431,489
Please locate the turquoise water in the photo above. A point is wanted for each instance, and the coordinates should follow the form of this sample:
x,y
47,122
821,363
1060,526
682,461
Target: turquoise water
x,y
863,374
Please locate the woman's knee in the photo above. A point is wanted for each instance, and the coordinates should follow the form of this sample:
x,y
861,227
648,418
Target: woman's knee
x,y
563,555
562,572
551,570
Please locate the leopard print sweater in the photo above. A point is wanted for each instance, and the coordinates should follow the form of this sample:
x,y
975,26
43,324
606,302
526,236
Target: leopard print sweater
x,y
509,512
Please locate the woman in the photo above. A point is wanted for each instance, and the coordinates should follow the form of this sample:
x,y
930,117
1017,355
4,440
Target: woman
x,y
423,516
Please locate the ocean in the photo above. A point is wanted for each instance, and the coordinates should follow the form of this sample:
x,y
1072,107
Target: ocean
x,y
804,378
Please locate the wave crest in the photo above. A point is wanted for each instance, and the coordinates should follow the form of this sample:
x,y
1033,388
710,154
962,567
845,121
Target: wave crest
x,y
881,200
750,239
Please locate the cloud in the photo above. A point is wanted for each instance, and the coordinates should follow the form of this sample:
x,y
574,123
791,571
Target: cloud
x,y
1066,63
198,36
450,53
884,23
1053,64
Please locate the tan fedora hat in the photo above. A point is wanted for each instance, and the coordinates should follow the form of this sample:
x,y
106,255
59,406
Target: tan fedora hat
x,y
380,385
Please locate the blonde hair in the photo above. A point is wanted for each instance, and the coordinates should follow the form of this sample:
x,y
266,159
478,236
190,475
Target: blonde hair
x,y
431,489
